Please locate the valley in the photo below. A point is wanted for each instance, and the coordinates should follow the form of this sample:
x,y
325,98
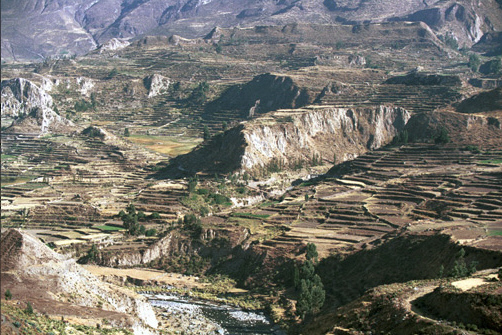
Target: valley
x,y
229,173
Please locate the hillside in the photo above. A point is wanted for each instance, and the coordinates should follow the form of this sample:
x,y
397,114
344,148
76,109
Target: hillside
x,y
64,288
35,30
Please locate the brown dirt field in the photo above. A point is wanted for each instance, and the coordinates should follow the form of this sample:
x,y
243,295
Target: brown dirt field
x,y
160,277
467,284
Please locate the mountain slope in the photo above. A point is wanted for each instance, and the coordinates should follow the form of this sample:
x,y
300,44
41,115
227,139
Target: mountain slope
x,y
32,29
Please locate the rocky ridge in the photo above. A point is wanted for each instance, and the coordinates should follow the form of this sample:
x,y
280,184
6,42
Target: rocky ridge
x,y
287,137
66,287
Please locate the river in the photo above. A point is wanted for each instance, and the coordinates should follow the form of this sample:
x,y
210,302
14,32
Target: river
x,y
195,316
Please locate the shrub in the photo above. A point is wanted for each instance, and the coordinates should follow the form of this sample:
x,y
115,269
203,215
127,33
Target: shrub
x,y
151,232
442,136
29,308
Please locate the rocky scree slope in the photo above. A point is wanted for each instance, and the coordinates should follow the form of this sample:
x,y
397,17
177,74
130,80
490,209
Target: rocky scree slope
x,y
32,29
56,284
29,109
289,136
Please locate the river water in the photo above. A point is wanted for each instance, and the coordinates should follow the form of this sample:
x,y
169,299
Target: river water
x,y
196,316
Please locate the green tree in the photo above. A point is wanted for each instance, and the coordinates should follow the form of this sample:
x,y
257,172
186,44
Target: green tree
x,y
474,62
311,253
495,66
311,289
8,295
442,136
206,133
224,125
126,132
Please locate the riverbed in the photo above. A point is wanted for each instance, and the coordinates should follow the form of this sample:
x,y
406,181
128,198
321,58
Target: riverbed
x,y
196,316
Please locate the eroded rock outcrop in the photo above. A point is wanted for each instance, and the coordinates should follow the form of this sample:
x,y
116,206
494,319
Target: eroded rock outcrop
x,y
156,84
31,108
178,244
290,136
58,285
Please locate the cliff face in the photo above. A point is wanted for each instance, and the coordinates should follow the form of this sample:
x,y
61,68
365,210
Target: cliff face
x,y
31,108
325,132
178,244
33,272
291,136
161,248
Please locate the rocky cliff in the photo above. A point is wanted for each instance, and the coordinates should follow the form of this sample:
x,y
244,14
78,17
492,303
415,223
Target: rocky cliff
x,y
178,244
56,284
30,108
288,137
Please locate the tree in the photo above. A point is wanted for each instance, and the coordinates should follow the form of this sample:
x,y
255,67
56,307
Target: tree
x,y
126,132
311,253
206,133
474,62
224,125
442,136
311,289
8,295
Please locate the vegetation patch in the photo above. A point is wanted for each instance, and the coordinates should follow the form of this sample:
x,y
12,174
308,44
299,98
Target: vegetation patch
x,y
251,215
108,228
166,145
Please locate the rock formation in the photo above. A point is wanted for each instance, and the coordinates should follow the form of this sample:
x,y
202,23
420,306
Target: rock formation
x,y
156,84
31,108
56,284
290,136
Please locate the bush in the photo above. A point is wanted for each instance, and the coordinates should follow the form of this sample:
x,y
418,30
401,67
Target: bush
x,y
8,295
151,232
219,199
203,191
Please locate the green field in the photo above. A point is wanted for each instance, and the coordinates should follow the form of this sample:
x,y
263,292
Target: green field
x,y
109,228
251,215
491,161
173,146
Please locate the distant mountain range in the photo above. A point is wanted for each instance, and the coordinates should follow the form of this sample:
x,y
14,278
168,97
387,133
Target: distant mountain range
x,y
36,29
